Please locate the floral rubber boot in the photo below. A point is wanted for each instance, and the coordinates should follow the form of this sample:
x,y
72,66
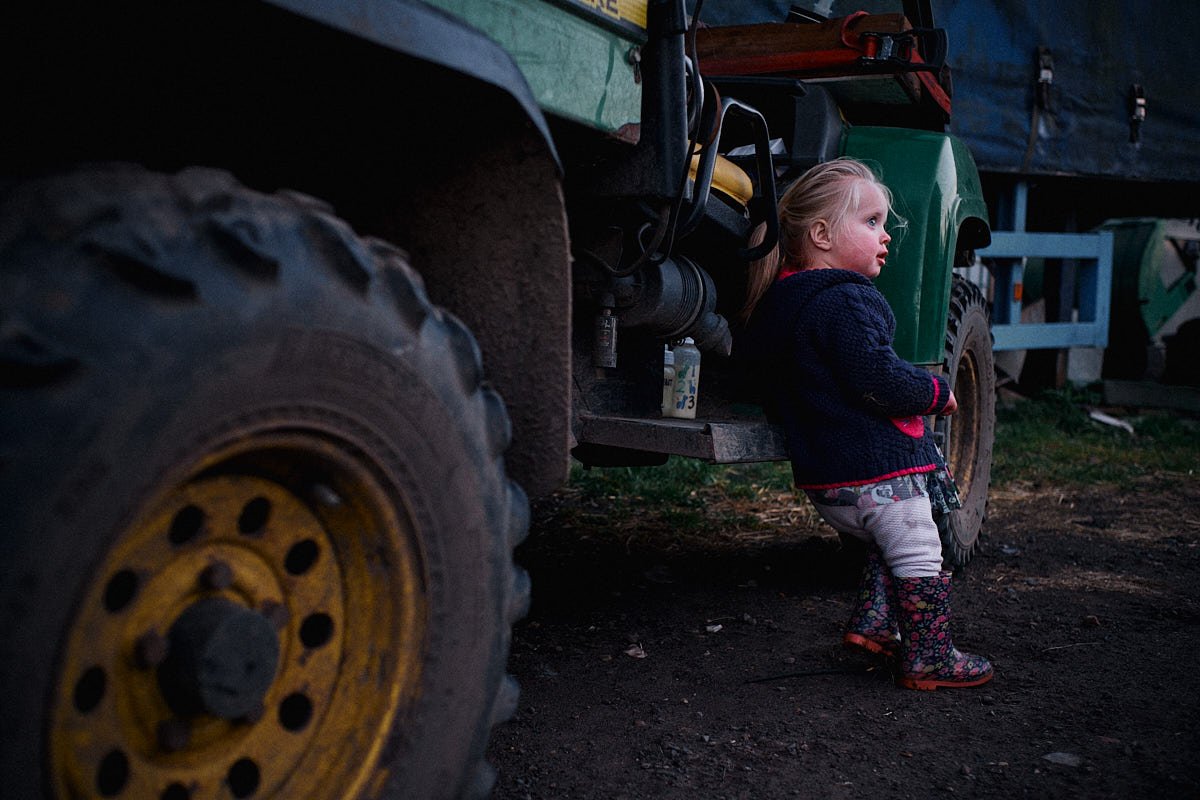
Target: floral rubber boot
x,y
872,626
928,658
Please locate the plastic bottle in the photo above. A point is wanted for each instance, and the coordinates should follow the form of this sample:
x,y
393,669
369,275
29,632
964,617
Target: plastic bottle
x,y
604,354
668,387
687,380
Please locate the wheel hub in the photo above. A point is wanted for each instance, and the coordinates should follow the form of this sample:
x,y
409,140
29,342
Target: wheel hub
x,y
222,659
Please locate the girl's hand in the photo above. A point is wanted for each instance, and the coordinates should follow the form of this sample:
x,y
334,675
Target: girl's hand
x,y
951,406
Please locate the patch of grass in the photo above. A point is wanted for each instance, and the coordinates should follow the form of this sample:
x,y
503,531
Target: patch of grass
x,y
684,500
1050,438
682,481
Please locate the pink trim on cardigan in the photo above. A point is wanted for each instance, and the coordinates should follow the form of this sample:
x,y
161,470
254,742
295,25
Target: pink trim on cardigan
x,y
897,474
937,393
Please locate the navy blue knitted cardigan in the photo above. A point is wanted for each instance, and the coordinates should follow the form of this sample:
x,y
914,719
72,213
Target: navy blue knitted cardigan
x,y
820,347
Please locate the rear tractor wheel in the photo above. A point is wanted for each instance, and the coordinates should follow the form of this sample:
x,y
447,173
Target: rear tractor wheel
x,y
968,435
257,531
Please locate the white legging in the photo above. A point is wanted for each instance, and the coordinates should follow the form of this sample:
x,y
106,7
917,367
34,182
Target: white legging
x,y
904,531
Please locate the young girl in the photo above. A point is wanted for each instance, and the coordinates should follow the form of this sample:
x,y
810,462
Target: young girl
x,y
852,412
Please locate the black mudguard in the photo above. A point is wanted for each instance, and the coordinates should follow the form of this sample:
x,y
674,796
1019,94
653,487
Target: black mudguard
x,y
429,34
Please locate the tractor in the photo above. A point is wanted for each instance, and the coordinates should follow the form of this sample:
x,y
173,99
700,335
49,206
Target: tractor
x,y
303,300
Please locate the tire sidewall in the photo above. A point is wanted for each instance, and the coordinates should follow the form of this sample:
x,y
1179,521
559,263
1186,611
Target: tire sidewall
x,y
169,387
435,478
970,338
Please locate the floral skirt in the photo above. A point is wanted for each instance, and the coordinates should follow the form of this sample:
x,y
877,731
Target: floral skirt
x,y
937,485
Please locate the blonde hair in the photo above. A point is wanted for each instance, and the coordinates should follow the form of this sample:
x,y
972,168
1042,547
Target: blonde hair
x,y
828,191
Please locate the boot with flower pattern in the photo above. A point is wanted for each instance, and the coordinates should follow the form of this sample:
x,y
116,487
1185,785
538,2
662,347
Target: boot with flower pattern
x,y
872,626
928,658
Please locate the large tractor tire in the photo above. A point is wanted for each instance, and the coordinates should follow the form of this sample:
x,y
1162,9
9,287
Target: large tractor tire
x,y
257,533
968,435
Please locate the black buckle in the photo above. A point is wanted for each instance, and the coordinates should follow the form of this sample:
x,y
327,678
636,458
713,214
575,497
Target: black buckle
x,y
898,49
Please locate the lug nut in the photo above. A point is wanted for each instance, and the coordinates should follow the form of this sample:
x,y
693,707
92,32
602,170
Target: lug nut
x,y
173,735
253,715
276,613
217,575
150,649
325,495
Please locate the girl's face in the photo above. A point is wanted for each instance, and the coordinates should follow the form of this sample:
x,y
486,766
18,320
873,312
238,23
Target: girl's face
x,y
859,242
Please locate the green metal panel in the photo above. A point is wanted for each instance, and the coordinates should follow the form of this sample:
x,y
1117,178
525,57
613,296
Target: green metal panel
x,y
576,67
936,188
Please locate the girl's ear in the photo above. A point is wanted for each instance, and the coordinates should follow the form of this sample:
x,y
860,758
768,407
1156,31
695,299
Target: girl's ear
x,y
820,235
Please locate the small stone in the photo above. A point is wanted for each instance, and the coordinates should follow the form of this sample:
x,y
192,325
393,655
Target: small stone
x,y
1066,759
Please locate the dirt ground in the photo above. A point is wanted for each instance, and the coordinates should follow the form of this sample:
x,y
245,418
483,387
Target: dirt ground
x,y
717,672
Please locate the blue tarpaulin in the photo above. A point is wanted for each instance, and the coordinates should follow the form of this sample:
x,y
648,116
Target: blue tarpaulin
x,y
1099,52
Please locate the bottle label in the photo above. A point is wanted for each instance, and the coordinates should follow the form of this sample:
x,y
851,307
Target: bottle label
x,y
605,341
687,379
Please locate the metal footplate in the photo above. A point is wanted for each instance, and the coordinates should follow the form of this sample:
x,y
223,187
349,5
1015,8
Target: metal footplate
x,y
715,441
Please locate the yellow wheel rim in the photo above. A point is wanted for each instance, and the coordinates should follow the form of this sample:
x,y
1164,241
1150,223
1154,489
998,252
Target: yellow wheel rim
x,y
298,538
